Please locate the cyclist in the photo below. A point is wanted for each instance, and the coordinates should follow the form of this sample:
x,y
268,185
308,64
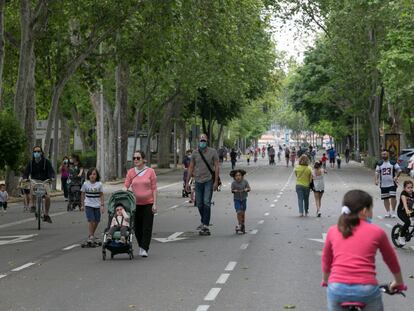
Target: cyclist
x,y
38,170
405,209
348,258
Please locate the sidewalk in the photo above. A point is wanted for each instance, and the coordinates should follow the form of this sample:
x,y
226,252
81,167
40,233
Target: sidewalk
x,y
56,193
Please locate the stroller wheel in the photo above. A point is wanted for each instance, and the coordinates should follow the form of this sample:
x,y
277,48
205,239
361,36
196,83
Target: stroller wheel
x,y
103,255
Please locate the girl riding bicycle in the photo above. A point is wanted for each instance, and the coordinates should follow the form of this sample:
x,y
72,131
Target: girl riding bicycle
x,y
405,209
348,258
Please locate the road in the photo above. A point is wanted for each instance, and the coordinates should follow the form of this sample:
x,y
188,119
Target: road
x,y
274,266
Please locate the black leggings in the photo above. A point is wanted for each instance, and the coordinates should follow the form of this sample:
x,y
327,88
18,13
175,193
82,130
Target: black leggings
x,y
407,222
144,219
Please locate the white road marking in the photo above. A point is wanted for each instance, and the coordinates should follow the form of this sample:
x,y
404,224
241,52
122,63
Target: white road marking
x,y
202,308
412,247
254,231
275,200
19,222
272,205
172,207
70,247
173,237
13,239
23,267
320,240
278,196
212,294
260,222
244,246
230,266
170,185
223,278
389,226
266,214
380,217
3,276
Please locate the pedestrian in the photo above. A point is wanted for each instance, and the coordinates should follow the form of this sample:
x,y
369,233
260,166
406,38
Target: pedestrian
x,y
405,209
233,158
143,182
332,156
347,153
271,153
92,200
386,176
120,222
76,170
40,170
4,197
348,257
318,173
24,186
186,163
303,178
324,159
293,156
338,160
248,157
205,167
240,188
64,175
287,155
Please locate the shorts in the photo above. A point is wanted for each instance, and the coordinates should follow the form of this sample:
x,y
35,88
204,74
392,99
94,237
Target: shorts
x,y
388,192
3,205
93,214
332,160
240,206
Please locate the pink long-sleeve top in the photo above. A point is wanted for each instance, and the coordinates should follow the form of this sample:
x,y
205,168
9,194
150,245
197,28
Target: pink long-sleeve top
x,y
352,260
143,185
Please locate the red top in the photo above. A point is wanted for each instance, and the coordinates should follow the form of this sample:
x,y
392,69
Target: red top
x,y
324,159
143,185
352,260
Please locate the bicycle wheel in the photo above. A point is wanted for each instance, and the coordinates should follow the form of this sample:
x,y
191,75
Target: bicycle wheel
x,y
39,211
395,234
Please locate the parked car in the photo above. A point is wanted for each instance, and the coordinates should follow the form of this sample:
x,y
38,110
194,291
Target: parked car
x,y
403,159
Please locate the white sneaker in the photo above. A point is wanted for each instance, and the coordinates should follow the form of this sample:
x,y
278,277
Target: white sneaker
x,y
144,253
388,215
401,240
393,215
140,251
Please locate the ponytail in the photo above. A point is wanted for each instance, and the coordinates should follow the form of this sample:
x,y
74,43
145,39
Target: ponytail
x,y
354,201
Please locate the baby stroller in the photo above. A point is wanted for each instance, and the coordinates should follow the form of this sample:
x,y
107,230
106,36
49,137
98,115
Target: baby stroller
x,y
74,190
127,199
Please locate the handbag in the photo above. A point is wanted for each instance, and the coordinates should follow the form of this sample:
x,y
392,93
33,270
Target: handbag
x,y
312,185
213,174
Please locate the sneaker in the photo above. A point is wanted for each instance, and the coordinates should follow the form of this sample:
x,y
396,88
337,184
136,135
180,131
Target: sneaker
x,y
47,218
238,228
32,209
122,240
109,237
200,227
91,239
401,240
144,253
393,215
300,214
388,215
243,228
318,215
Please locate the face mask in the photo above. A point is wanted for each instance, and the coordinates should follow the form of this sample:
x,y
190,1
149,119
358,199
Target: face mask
x,y
202,144
37,155
66,161
369,220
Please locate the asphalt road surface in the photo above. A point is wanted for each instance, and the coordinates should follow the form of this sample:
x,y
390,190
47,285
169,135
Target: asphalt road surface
x,y
274,266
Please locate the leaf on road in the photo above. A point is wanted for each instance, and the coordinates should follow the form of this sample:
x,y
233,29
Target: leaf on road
x,y
132,306
289,307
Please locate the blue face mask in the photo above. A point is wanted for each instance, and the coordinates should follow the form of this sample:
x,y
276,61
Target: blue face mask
x,y
368,220
37,155
202,144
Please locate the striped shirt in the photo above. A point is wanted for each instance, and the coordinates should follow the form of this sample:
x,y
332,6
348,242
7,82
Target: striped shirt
x,y
92,193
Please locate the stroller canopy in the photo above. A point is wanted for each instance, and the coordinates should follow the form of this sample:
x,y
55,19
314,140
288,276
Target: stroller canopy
x,y
126,198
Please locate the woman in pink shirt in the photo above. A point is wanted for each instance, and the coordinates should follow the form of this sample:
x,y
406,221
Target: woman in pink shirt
x,y
142,181
348,258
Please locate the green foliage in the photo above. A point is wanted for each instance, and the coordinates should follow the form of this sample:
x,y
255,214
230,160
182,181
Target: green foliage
x,y
88,159
12,142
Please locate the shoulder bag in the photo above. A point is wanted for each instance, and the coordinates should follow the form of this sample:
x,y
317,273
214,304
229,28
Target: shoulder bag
x,y
213,174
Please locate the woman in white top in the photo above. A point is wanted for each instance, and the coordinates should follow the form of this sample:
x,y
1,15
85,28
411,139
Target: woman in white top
x,y
318,185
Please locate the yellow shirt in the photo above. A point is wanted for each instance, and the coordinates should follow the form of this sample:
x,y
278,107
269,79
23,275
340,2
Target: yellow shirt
x,y
303,175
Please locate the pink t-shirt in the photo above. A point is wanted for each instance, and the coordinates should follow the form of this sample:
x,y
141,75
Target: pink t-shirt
x,y
352,260
142,185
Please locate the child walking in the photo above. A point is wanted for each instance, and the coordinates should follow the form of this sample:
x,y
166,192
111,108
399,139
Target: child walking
x,y
405,209
4,196
338,160
92,199
323,161
120,222
240,188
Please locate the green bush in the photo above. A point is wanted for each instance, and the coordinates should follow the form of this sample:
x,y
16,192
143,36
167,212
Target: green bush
x,y
370,162
88,159
12,142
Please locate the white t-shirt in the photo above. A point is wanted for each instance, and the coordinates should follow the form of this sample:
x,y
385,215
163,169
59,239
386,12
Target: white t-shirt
x,y
92,193
387,174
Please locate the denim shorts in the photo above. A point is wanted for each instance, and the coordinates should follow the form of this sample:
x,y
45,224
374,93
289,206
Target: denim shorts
x,y
368,294
93,214
240,206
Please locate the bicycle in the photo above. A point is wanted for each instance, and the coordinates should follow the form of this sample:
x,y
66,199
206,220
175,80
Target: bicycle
x,y
359,306
39,191
395,234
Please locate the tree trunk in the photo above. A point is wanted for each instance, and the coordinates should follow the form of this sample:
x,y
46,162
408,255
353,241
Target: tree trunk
x,y
219,141
2,49
183,136
395,112
82,134
95,100
64,142
411,124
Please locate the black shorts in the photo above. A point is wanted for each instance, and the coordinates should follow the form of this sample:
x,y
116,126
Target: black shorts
x,y
388,192
331,160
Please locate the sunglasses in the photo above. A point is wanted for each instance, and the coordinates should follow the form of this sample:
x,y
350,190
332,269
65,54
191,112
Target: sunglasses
x,y
119,209
137,158
37,151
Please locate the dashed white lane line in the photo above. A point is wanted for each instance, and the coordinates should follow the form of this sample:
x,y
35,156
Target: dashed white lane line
x,y
27,265
272,205
380,217
19,222
389,226
260,222
212,294
3,276
244,246
223,278
203,308
254,231
70,247
278,196
266,214
172,207
412,247
230,266
170,185
275,200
